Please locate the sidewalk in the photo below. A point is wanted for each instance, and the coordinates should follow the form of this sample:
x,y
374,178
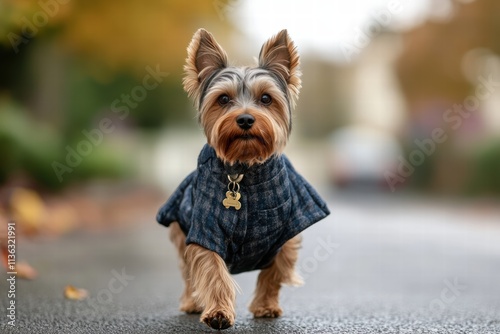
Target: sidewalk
x,y
369,268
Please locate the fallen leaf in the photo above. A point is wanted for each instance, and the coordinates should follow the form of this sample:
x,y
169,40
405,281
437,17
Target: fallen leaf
x,y
28,210
4,253
73,293
25,271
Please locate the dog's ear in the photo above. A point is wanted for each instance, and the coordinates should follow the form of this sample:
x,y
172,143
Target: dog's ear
x,y
204,57
280,55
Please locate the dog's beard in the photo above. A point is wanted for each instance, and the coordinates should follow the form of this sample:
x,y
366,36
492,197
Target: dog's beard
x,y
234,145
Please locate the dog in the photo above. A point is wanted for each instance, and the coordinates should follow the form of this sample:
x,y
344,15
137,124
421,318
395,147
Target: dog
x,y
244,206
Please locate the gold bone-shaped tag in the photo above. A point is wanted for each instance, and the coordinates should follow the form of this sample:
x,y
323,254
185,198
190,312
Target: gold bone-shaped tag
x,y
232,199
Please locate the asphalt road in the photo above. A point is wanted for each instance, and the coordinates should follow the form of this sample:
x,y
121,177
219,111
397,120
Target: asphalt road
x,y
376,265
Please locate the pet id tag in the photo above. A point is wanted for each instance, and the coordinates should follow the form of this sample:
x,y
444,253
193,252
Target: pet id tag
x,y
233,194
232,199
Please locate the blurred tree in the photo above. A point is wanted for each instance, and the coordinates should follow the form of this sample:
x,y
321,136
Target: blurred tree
x,y
430,66
29,149
133,33
486,180
76,57
434,79
65,63
112,35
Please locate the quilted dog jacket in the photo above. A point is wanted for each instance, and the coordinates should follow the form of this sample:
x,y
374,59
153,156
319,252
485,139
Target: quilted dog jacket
x,y
276,204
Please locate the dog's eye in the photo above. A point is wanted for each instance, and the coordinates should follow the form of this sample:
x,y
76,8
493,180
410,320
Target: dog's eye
x,y
265,99
223,99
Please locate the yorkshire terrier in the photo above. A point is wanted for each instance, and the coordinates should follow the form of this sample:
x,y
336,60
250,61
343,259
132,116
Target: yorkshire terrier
x,y
244,206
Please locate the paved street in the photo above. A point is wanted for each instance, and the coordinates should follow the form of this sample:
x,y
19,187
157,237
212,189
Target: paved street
x,y
376,265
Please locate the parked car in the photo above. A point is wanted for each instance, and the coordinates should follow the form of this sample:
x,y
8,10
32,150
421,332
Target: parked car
x,y
361,155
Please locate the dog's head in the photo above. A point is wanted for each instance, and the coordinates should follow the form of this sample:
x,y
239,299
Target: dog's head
x,y
245,111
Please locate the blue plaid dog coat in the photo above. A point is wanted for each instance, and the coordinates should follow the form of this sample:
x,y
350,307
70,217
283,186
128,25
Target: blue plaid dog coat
x,y
276,204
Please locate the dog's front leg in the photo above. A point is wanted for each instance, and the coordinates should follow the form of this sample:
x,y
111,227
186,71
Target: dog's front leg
x,y
214,288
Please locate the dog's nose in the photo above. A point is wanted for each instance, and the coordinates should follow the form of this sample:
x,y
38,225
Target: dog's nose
x,y
245,121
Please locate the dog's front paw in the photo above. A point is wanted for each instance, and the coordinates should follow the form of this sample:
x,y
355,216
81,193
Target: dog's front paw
x,y
218,319
266,311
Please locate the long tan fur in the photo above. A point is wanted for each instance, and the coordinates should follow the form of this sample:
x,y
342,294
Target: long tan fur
x,y
188,303
282,272
214,288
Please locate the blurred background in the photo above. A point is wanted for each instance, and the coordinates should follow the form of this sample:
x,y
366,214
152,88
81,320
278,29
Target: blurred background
x,y
93,116
400,99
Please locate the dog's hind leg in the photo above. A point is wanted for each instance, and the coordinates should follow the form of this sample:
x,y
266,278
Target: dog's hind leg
x,y
178,238
214,288
282,271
